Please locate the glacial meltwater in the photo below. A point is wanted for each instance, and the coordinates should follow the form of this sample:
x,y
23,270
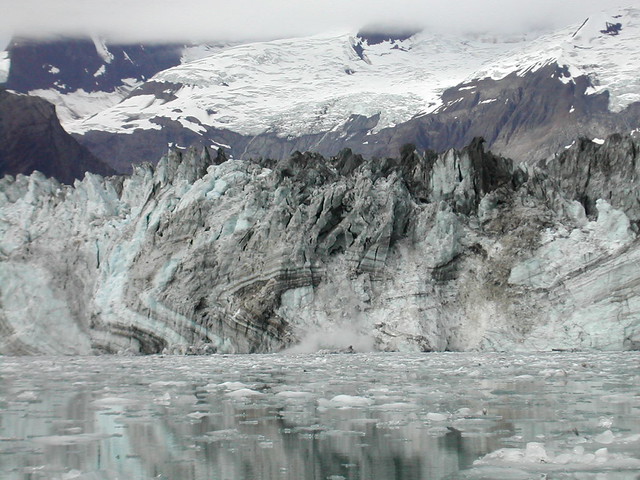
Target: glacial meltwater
x,y
334,416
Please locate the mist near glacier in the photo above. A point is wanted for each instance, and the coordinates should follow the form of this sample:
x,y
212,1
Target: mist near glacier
x,y
339,338
163,20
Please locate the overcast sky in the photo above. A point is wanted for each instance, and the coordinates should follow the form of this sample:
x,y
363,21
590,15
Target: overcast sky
x,y
162,20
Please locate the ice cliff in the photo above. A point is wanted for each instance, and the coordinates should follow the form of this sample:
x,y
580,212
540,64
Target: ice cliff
x,y
455,251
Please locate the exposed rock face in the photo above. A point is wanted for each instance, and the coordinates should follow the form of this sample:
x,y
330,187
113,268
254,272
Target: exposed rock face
x,y
69,64
455,251
31,138
373,35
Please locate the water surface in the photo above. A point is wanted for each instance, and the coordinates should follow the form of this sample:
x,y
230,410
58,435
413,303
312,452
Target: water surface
x,y
361,416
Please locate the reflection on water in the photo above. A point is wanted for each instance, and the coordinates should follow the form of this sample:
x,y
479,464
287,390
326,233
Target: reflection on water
x,y
376,416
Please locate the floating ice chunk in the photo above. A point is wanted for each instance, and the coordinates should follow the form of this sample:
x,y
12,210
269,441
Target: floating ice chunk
x,y
347,401
602,455
161,384
197,415
231,385
396,406
605,437
534,452
630,438
292,395
605,422
244,393
114,401
553,372
27,396
436,417
163,400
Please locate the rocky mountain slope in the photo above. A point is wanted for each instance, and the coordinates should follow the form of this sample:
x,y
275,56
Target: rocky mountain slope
x,y
31,138
453,251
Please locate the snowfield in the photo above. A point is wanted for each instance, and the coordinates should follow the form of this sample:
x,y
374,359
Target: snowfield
x,y
304,85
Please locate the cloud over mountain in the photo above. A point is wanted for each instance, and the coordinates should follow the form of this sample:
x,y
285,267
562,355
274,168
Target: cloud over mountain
x,y
163,20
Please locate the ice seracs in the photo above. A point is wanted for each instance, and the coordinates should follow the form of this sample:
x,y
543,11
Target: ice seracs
x,y
426,252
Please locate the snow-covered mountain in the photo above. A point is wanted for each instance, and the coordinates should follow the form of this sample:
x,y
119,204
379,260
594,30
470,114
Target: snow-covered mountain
x,y
373,93
311,85
327,92
300,86
304,90
605,47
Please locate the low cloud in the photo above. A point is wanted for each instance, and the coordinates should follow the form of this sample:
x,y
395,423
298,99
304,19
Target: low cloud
x,y
172,20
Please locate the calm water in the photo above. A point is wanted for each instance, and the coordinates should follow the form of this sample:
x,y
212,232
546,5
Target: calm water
x,y
364,416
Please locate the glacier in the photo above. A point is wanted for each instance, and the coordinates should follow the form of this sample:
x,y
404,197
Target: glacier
x,y
425,252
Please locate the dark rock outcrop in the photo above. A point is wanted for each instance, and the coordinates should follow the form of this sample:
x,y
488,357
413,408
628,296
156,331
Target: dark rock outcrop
x,y
69,64
31,138
590,171
374,35
524,117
